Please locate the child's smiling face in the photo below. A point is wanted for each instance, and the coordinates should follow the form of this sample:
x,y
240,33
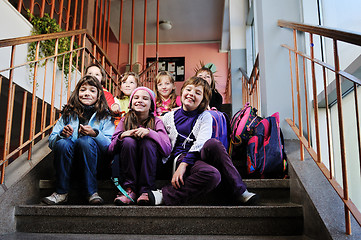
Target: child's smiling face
x,y
206,76
128,85
95,72
141,101
88,94
191,97
165,86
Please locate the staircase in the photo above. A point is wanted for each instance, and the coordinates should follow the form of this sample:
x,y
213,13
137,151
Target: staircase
x,y
274,216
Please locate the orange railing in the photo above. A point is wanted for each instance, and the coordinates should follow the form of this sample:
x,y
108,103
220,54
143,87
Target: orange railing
x,y
250,86
69,14
148,75
37,89
299,61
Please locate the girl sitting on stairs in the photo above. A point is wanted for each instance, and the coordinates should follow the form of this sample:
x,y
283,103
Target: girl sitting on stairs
x,y
201,162
81,137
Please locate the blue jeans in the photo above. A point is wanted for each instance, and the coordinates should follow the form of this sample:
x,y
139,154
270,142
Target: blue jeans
x,y
86,152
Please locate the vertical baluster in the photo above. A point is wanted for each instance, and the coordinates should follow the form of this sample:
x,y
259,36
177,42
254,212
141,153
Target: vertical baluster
x,y
43,104
22,123
120,32
104,23
95,20
83,55
42,8
292,89
33,101
342,140
61,5
32,5
20,5
100,21
52,10
157,39
145,34
329,135
315,100
108,28
68,16
81,16
52,115
132,38
75,14
70,65
306,103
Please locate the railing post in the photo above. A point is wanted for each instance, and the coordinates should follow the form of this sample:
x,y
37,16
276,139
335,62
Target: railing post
x,y
52,115
144,34
342,140
315,100
132,38
108,29
120,32
68,16
60,12
33,101
300,127
75,14
157,38
292,89
95,20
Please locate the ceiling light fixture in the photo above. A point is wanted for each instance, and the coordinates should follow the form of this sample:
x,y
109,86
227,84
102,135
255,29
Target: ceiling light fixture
x,y
165,25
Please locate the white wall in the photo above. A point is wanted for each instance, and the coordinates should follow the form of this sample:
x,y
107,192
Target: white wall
x,y
13,25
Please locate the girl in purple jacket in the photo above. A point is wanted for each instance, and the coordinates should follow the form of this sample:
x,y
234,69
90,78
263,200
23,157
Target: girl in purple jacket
x,y
139,142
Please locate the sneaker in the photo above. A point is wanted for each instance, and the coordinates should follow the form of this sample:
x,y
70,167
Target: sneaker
x,y
155,197
143,200
248,198
95,199
55,199
121,199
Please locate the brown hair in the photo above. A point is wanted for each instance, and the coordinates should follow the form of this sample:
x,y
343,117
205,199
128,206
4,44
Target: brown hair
x,y
173,95
74,108
205,69
124,77
104,74
207,91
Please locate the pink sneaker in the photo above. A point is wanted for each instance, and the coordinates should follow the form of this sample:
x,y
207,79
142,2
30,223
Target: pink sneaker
x,y
143,200
123,200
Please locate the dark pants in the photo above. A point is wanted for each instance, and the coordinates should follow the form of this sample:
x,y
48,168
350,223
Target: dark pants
x,y
86,152
136,164
205,175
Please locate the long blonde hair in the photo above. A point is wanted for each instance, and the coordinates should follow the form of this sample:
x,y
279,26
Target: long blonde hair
x,y
173,95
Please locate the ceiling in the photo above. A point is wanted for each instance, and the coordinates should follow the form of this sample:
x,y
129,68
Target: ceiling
x,y
192,20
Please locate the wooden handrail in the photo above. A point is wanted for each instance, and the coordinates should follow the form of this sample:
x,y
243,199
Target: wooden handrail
x,y
334,33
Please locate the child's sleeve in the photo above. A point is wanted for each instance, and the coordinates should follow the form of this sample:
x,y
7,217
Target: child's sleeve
x,y
115,138
55,134
160,136
202,135
105,133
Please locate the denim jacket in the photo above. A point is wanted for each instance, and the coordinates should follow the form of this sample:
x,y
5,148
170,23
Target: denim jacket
x,y
104,126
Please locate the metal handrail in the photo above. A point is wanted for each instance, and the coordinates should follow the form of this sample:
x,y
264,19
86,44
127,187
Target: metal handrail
x,y
336,35
250,89
29,131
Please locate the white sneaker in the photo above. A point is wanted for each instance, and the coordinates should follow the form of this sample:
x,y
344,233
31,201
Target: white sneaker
x,y
55,199
248,197
95,199
155,197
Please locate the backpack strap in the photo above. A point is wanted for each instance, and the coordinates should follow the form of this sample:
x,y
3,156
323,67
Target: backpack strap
x,y
116,182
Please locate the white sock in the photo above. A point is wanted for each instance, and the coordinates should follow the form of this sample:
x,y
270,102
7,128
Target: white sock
x,y
246,196
158,197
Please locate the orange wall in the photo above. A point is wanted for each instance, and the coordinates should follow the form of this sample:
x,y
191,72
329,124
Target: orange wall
x,y
193,53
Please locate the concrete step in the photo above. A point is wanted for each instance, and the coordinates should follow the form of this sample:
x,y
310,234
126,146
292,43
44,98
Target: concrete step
x,y
56,236
271,191
275,220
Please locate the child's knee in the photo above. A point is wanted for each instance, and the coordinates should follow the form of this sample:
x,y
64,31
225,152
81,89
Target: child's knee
x,y
129,142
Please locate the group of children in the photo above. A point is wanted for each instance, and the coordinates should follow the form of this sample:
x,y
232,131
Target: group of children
x,y
155,129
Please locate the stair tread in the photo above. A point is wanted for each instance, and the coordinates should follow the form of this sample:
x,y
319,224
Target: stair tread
x,y
287,209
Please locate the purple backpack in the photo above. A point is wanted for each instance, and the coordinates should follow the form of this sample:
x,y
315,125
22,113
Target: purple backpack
x,y
265,151
220,126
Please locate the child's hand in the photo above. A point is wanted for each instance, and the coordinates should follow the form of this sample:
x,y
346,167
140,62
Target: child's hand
x,y
141,132
115,108
127,134
177,178
87,130
67,131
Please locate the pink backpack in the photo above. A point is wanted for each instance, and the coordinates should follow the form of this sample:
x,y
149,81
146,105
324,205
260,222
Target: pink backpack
x,y
242,125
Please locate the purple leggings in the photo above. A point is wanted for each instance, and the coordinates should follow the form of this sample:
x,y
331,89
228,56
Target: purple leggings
x,y
136,164
205,175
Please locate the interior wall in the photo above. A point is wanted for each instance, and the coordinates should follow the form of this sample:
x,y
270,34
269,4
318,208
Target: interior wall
x,y
193,53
